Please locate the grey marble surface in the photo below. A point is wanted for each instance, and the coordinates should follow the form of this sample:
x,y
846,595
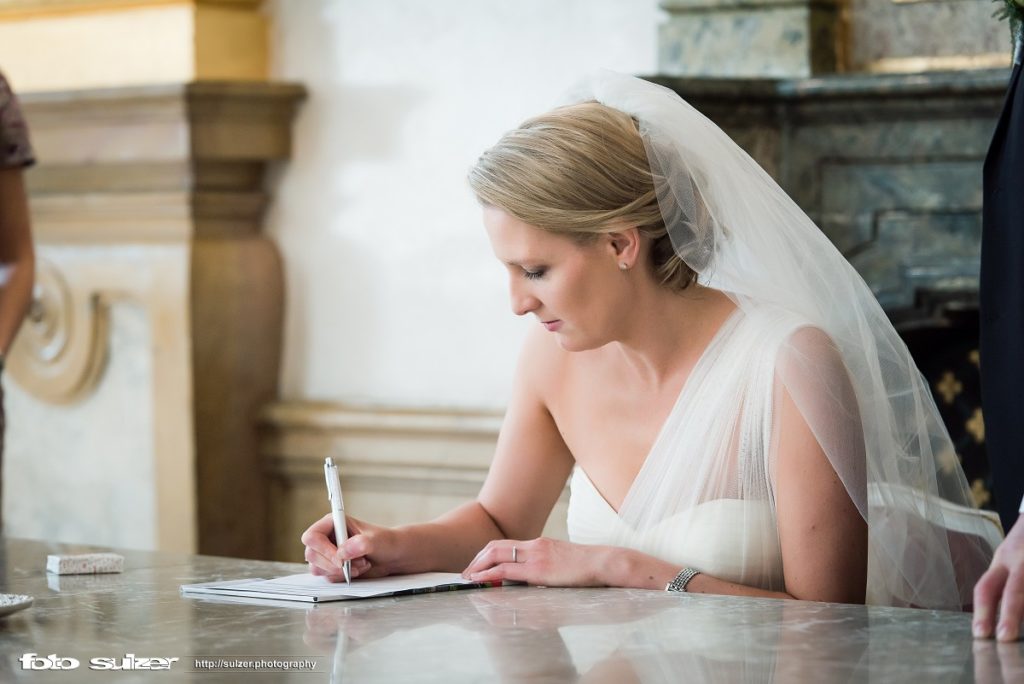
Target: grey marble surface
x,y
766,40
495,635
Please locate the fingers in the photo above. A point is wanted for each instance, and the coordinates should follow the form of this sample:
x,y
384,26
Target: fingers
x,y
355,526
321,553
372,550
371,571
496,553
999,588
1011,607
355,546
319,536
330,571
986,599
513,572
319,563
505,559
360,568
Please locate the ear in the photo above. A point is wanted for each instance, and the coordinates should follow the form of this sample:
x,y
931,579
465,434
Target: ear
x,y
624,245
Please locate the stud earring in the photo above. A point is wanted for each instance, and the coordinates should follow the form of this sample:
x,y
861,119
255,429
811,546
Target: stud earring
x,y
623,266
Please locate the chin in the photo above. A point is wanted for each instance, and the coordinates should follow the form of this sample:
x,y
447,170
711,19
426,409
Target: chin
x,y
576,344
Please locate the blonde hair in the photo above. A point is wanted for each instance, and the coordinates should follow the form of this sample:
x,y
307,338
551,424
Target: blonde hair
x,y
580,171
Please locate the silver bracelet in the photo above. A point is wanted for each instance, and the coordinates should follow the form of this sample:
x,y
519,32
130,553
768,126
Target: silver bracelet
x,y
682,579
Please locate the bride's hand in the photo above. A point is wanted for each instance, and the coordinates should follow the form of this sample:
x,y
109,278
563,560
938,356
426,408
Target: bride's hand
x,y
543,561
373,550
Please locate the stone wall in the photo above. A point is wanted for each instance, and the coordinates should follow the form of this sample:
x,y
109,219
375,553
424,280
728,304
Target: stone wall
x,y
802,38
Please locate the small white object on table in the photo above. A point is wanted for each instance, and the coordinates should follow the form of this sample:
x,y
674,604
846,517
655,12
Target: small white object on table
x,y
84,563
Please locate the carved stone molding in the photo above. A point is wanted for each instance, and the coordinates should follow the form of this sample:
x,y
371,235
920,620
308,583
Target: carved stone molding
x,y
36,8
208,137
60,351
153,196
118,43
418,447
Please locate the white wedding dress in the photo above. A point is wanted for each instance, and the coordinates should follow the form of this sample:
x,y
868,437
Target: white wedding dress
x,y
705,494
714,536
716,442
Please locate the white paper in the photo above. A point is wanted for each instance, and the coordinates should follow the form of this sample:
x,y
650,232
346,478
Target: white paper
x,y
315,588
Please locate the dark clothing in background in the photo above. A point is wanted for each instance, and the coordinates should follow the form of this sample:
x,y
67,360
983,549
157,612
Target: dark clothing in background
x,y
1002,302
15,150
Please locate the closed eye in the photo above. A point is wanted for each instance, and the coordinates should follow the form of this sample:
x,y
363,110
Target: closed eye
x,y
534,275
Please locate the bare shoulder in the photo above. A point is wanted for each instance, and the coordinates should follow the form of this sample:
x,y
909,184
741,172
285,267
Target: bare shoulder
x,y
811,339
809,349
817,382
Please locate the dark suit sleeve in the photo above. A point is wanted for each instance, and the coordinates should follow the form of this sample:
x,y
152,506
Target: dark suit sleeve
x,y
1002,303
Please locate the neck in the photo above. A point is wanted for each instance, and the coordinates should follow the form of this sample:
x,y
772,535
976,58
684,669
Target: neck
x,y
666,332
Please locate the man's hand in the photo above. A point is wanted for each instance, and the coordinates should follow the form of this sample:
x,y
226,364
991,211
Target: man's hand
x,y
1003,586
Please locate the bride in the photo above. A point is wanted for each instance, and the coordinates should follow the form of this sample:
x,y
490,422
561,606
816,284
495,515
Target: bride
x,y
735,411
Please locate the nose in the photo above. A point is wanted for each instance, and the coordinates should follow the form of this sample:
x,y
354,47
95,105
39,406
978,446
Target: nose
x,y
523,301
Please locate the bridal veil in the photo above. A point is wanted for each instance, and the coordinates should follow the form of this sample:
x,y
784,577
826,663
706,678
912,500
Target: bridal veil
x,y
847,371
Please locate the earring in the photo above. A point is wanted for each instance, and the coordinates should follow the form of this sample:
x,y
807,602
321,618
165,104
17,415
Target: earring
x,y
623,266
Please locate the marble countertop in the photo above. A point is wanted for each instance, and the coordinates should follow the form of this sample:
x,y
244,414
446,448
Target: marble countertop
x,y
508,635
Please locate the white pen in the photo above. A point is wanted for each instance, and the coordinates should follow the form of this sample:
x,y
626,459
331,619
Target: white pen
x,y
337,511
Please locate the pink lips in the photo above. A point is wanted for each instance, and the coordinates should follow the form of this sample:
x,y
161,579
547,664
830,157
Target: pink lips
x,y
552,326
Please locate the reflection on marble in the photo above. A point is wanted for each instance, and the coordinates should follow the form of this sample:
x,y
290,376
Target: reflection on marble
x,y
509,634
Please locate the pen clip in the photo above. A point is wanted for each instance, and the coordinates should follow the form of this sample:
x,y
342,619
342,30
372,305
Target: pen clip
x,y
333,483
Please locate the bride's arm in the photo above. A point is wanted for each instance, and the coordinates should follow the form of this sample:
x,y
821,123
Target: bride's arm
x,y
822,534
824,537
528,473
531,461
529,470
556,563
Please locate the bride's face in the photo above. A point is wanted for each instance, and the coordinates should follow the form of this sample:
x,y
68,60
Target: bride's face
x,y
574,290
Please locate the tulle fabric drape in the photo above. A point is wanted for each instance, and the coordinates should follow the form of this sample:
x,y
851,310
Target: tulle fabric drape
x,y
835,353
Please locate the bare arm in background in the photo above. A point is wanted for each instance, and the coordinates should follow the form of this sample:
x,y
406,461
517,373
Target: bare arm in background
x,y
17,257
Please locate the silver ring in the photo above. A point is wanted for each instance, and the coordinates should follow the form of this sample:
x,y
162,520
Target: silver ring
x,y
514,555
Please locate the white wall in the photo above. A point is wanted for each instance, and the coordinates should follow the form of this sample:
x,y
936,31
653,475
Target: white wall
x,y
393,295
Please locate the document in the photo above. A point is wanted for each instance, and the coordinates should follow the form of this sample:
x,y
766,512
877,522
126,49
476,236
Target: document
x,y
310,588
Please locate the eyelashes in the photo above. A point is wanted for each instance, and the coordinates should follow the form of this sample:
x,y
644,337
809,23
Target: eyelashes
x,y
534,275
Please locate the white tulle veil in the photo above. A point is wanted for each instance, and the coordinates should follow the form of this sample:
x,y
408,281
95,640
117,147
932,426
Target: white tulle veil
x,y
876,422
